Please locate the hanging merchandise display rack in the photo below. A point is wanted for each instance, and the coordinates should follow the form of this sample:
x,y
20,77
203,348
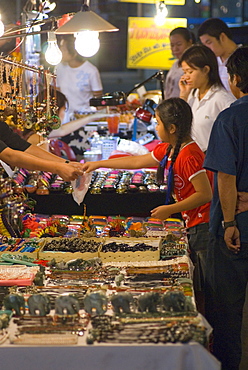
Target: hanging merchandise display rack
x,y
20,104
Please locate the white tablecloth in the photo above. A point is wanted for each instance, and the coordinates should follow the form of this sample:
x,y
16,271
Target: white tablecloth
x,y
191,356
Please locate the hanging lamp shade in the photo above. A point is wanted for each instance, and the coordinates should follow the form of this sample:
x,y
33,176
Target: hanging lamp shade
x,y
86,20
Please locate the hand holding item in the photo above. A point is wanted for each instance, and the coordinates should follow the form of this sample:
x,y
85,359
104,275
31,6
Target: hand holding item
x,y
69,171
184,87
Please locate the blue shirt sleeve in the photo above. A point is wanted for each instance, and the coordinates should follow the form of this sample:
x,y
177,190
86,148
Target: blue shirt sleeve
x,y
222,150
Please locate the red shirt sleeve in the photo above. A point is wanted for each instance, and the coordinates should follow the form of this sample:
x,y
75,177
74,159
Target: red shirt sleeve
x,y
192,166
159,151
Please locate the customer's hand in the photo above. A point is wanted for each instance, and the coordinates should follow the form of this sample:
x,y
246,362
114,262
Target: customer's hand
x,y
90,166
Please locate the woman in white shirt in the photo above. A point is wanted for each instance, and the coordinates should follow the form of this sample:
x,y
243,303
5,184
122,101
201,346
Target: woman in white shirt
x,y
202,88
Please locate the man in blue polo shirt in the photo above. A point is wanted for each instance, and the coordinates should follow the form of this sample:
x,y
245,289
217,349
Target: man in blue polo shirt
x,y
227,266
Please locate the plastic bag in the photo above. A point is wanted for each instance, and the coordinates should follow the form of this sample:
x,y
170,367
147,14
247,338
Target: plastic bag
x,y
80,187
131,147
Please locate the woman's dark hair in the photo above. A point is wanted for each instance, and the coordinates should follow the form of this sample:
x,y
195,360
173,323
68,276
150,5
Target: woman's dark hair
x,y
174,111
184,32
199,56
237,64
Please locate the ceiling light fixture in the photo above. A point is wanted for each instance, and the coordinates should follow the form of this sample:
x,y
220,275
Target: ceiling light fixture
x,y
53,54
86,25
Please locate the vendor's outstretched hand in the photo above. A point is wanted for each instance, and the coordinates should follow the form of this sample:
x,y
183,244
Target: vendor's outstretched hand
x,y
69,171
161,212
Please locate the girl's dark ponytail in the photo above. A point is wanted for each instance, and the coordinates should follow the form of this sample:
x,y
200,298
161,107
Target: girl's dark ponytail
x,y
170,177
173,111
162,165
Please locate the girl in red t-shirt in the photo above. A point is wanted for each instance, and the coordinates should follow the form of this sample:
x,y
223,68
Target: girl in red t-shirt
x,y
181,160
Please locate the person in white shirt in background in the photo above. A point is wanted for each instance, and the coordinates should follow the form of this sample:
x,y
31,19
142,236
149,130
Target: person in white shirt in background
x,y
180,39
202,88
215,34
77,78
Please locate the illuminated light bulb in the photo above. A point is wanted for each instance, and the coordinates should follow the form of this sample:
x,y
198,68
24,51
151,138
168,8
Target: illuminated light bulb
x,y
87,43
197,1
162,12
1,27
53,54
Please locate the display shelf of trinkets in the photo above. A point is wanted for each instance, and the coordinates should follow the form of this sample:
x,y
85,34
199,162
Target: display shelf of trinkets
x,y
136,328
110,329
86,246
125,181
103,181
136,275
159,326
75,326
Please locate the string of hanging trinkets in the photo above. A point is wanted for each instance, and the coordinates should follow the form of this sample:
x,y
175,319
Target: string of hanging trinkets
x,y
27,108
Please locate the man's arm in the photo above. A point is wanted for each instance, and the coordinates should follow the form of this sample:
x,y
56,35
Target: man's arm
x,y
43,154
68,171
228,199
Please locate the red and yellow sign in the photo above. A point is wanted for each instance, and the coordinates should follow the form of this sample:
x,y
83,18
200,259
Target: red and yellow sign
x,y
149,44
167,2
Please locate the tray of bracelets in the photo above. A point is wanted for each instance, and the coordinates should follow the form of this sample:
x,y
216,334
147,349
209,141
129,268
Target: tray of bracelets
x,y
179,267
130,249
66,249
